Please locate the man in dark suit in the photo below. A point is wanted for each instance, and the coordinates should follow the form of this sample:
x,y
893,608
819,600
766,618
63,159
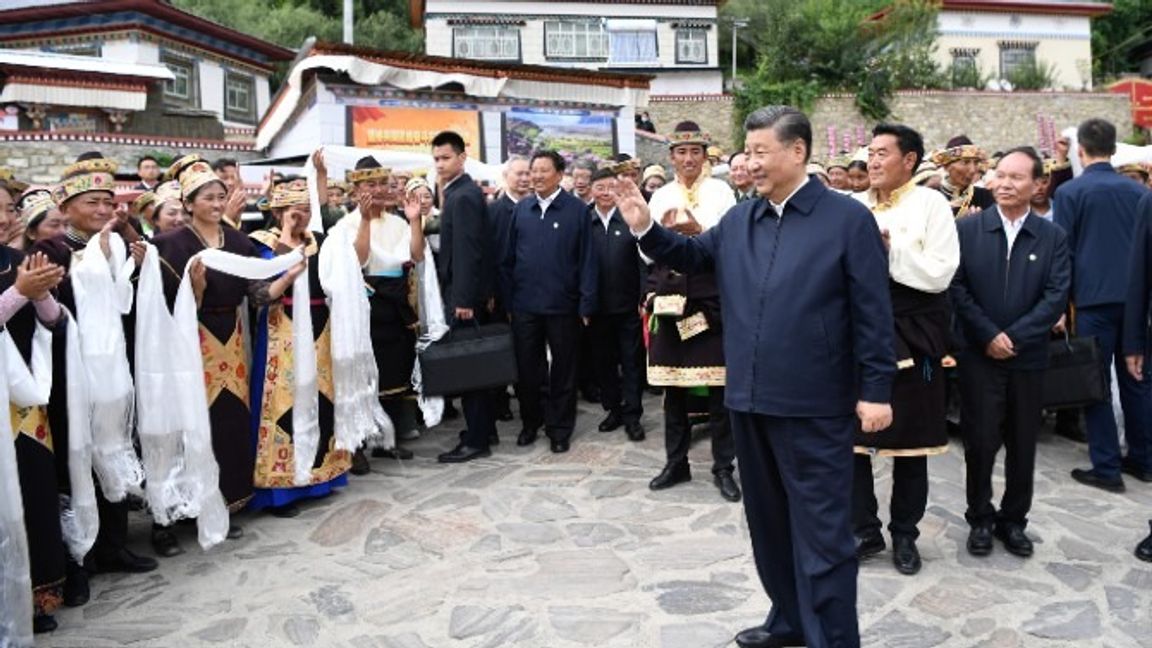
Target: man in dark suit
x,y
808,337
1010,289
548,277
1098,213
466,272
616,340
1136,314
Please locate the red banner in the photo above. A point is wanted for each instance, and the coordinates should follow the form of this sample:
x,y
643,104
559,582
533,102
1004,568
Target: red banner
x,y
1139,93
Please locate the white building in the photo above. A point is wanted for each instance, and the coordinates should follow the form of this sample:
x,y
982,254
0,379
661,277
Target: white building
x,y
674,40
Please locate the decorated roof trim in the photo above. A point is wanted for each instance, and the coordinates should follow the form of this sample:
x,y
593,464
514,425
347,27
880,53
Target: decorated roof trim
x,y
123,138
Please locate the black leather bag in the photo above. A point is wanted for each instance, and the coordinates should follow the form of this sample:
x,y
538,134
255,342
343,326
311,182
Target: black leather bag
x,y
469,358
1075,377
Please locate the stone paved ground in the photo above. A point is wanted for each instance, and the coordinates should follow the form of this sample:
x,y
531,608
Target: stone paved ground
x,y
541,551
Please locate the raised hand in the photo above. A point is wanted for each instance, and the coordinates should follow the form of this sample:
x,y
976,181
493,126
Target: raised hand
x,y
319,164
198,273
412,207
137,250
36,276
631,205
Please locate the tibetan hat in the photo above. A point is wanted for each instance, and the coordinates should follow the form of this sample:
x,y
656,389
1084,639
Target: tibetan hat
x,y
367,168
8,179
958,148
284,197
195,176
34,205
688,132
88,174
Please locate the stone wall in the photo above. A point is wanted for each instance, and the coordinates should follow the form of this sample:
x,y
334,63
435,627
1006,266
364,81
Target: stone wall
x,y
994,120
42,161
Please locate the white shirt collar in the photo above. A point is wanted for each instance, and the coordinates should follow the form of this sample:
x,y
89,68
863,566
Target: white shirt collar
x,y
604,218
453,180
546,201
779,209
1011,227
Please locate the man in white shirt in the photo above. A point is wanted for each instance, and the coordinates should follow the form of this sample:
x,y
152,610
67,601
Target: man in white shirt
x,y
923,253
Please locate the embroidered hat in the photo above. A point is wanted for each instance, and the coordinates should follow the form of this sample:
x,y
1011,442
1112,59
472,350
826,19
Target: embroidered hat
x,y
84,176
688,132
367,168
34,205
416,183
1134,167
179,166
631,165
925,171
838,162
8,179
196,175
958,148
143,201
167,191
654,171
282,198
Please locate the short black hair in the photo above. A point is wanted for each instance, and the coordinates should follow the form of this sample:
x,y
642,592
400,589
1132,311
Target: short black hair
x,y
603,174
1037,161
449,138
1097,137
733,157
858,164
224,163
90,155
557,159
907,140
789,124
144,158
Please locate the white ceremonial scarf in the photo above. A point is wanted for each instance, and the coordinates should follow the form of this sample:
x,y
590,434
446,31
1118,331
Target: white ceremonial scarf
x,y
80,520
355,378
103,290
433,327
172,399
23,389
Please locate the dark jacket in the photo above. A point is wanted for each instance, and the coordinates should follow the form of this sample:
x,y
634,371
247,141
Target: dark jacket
x,y
806,308
1140,282
622,272
1098,213
549,263
1023,296
466,265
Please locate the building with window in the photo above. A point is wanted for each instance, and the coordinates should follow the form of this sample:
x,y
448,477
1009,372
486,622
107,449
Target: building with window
x,y
674,40
216,86
992,40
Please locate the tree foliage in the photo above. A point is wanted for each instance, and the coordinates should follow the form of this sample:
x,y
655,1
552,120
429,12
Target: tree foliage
x,y
1115,34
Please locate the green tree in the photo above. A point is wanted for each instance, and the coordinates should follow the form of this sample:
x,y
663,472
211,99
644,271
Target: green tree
x,y
1115,34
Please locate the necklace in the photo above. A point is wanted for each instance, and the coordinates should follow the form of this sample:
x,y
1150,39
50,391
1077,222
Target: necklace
x,y
219,237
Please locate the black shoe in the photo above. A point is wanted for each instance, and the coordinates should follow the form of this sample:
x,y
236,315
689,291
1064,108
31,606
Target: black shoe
x,y
869,545
123,561
559,446
1144,549
76,592
671,475
360,463
1014,539
286,511
42,623
980,540
398,453
527,437
759,637
612,422
165,543
1129,467
729,490
635,432
905,555
1090,478
463,453
235,532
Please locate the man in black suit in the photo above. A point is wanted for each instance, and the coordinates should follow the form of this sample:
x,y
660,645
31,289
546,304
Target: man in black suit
x,y
1136,306
616,339
548,277
1011,288
466,272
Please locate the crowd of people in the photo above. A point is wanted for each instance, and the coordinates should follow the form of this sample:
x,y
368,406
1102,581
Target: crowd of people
x,y
172,355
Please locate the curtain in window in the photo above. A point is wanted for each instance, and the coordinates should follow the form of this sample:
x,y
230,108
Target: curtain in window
x,y
633,47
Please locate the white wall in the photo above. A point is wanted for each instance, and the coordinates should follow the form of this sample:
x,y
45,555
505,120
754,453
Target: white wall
x,y
688,83
506,8
1014,25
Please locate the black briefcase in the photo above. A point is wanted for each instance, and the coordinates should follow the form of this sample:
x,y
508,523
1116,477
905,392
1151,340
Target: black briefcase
x,y
1075,377
469,358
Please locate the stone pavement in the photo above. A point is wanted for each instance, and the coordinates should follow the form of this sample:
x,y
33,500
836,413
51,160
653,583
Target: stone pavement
x,y
551,551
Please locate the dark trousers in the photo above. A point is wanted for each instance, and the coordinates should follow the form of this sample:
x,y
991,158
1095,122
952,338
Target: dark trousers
x,y
618,346
559,334
479,406
999,407
797,497
588,368
113,534
909,496
1105,323
678,428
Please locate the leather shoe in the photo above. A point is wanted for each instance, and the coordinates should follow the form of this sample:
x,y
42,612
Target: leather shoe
x,y
123,561
759,637
463,453
76,592
235,532
1129,467
165,543
980,540
360,463
869,545
1014,539
635,431
671,475
1144,549
729,490
611,423
905,555
559,446
42,623
1090,478
527,437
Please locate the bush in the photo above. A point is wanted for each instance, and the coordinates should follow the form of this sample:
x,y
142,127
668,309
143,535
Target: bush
x,y
1037,76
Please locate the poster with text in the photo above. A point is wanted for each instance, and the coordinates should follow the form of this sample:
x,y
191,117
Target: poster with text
x,y
405,128
573,135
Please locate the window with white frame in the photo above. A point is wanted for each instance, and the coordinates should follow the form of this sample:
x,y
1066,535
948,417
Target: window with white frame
x,y
182,89
239,97
575,39
691,46
632,42
1016,56
486,42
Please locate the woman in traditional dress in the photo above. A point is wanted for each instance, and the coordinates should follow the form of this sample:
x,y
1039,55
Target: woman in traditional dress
x,y
219,299
273,369
168,212
25,283
40,217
